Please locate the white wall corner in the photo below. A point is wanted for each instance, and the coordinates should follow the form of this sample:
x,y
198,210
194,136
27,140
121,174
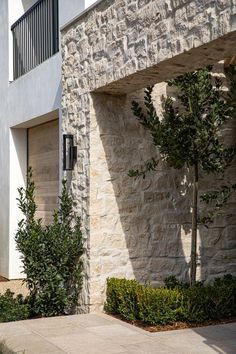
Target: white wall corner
x,y
18,169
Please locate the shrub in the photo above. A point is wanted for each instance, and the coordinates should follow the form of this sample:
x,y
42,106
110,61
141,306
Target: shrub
x,y
173,302
12,308
51,255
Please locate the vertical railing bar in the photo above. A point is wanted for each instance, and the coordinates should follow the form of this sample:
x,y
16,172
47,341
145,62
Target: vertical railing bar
x,y
44,33
32,36
23,48
15,54
53,25
35,41
39,28
18,51
46,29
29,46
50,26
37,34
57,26
38,31
28,43
28,36
31,41
20,48
42,30
25,44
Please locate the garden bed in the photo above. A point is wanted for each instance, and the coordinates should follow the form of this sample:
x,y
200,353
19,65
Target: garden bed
x,y
173,306
177,325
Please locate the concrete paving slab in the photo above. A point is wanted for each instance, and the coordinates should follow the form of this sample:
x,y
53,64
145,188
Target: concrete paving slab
x,y
150,348
86,344
102,334
31,343
119,334
8,330
91,320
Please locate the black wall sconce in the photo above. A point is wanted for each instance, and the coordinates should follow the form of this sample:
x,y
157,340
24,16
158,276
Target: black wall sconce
x,y
69,152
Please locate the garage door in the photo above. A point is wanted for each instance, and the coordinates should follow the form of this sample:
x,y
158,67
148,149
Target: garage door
x,y
43,157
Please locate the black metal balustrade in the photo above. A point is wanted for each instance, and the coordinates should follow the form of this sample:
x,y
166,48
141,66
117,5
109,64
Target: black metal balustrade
x,y
35,36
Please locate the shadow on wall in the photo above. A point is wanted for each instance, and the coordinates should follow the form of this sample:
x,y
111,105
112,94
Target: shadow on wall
x,y
155,212
218,242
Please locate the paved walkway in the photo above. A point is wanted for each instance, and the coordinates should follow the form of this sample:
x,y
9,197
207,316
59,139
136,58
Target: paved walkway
x,y
101,334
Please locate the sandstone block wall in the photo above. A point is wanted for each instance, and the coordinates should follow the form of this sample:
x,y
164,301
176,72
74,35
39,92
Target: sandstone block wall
x,y
119,44
141,228
138,228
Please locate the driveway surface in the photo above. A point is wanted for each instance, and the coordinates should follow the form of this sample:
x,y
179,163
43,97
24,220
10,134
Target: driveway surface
x,y
102,334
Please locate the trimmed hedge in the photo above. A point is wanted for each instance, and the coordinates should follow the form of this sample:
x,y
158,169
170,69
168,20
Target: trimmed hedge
x,y
13,308
173,302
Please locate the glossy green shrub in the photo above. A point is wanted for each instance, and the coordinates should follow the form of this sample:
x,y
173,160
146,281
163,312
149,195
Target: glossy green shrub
x,y
51,255
173,302
122,298
12,308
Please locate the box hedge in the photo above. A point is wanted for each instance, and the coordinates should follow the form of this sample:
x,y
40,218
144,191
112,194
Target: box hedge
x,y
173,302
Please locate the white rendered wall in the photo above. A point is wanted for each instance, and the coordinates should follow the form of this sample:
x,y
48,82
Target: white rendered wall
x,y
35,94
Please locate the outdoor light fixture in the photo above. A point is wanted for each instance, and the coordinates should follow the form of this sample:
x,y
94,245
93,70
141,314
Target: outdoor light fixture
x,y
69,152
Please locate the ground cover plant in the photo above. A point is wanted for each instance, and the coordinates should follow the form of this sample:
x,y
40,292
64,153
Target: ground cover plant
x,y
13,308
189,135
175,301
51,255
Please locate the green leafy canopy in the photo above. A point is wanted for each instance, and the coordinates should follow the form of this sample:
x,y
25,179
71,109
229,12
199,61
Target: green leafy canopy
x,y
188,133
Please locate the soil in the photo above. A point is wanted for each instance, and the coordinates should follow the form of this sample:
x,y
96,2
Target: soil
x,y
3,279
176,325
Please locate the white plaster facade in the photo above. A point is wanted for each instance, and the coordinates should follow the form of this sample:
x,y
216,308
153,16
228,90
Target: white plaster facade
x,y
31,99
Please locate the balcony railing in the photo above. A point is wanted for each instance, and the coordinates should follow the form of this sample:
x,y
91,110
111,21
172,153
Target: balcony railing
x,y
35,36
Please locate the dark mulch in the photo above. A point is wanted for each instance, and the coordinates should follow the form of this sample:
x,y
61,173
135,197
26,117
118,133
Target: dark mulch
x,y
176,325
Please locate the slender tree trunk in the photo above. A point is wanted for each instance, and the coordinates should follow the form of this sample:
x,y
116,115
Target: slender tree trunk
x,y
194,228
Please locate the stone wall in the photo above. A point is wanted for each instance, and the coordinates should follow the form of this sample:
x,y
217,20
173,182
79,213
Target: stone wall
x,y
119,44
138,228
141,228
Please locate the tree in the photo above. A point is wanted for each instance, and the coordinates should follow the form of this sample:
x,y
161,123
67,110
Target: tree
x,y
189,135
51,254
